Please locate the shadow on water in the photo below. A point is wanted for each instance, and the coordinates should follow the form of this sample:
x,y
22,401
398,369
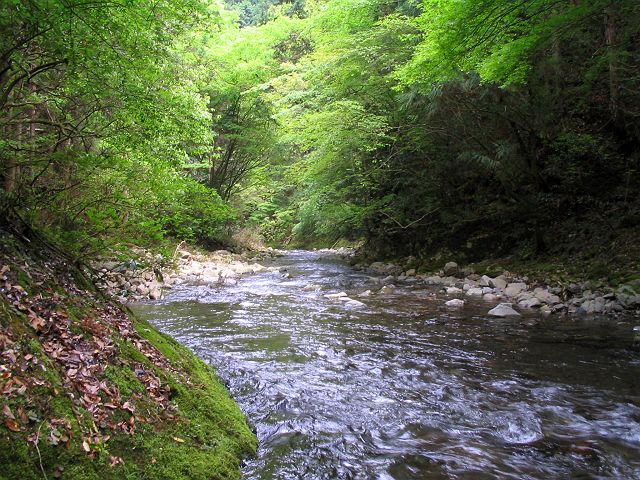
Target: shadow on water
x,y
404,388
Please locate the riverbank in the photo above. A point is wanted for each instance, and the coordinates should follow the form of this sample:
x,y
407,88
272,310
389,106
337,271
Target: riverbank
x,y
148,276
89,391
516,291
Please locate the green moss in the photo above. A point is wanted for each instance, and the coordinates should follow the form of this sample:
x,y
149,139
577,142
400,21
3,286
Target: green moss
x,y
125,379
205,440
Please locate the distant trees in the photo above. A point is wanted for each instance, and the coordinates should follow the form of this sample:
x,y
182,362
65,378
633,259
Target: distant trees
x,y
472,125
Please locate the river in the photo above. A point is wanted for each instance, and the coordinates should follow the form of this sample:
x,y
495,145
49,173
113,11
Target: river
x,y
406,388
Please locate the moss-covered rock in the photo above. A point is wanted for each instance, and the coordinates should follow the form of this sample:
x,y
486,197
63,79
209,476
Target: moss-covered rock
x,y
90,392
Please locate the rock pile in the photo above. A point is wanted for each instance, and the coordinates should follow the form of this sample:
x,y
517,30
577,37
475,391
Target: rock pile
x,y
514,291
148,276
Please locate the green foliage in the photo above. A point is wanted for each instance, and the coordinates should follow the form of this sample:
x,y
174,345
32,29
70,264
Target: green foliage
x,y
194,212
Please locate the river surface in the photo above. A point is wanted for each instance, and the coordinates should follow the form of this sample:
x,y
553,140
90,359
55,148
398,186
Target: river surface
x,y
406,388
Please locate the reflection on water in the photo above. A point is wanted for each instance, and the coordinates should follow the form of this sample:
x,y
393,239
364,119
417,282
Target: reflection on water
x,y
405,388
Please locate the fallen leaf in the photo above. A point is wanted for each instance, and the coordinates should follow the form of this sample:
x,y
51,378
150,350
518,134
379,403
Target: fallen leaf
x,y
8,413
12,425
38,323
85,446
178,439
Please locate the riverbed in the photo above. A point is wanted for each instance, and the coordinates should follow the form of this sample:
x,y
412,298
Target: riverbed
x,y
407,388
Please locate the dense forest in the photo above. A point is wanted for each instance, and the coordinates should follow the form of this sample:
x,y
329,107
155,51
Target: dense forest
x,y
411,128
503,135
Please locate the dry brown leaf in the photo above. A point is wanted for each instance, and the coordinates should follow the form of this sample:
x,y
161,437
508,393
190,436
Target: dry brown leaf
x,y
12,425
8,413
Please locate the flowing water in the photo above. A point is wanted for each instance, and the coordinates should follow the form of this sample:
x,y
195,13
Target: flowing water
x,y
405,388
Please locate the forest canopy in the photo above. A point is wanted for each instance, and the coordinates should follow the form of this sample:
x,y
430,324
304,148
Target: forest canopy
x,y
481,127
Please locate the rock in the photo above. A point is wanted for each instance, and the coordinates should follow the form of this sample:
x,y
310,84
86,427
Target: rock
x,y
110,266
513,289
449,281
433,280
335,295
411,272
143,290
453,290
475,291
388,280
594,306
574,289
498,282
558,307
486,290
466,271
503,310
490,297
451,268
545,310
530,303
366,293
387,289
468,283
456,302
485,281
545,296
354,304
312,287
155,293
473,277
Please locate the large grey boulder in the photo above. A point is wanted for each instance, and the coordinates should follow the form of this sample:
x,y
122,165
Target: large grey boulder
x,y
530,303
498,282
503,310
513,289
450,269
546,297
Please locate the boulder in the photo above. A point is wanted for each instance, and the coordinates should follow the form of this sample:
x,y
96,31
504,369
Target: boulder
x,y
411,272
545,296
450,268
503,310
475,291
485,281
490,297
387,289
455,303
155,292
513,289
498,282
530,303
